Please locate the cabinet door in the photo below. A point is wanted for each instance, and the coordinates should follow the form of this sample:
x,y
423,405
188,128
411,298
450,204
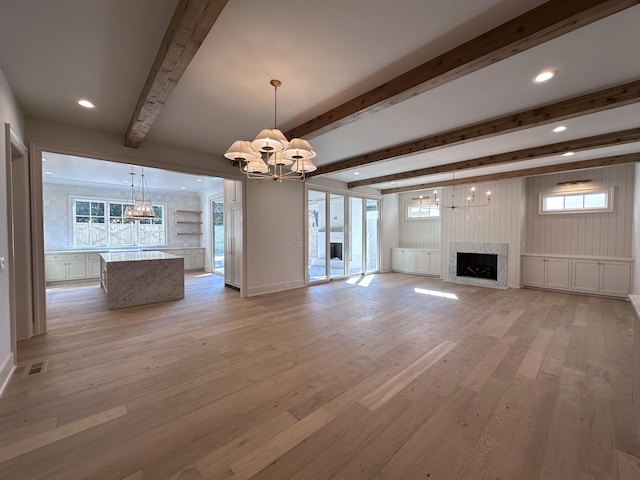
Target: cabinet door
x,y
397,260
423,262
614,278
410,261
556,273
436,260
55,271
198,260
533,271
585,276
76,269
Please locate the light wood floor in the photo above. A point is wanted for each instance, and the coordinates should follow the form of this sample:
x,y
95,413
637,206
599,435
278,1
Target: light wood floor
x,y
403,377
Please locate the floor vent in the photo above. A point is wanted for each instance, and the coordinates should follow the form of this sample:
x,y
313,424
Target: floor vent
x,y
36,368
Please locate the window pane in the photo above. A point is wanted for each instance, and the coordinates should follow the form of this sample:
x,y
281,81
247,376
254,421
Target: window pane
x,y
413,211
554,203
595,200
115,209
573,201
97,219
82,208
82,219
157,211
97,209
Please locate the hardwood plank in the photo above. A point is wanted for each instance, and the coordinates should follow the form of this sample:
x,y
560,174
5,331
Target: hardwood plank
x,y
389,389
477,377
533,359
281,443
628,466
45,438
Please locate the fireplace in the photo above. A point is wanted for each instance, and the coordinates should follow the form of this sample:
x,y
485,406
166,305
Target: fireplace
x,y
480,264
477,265
335,251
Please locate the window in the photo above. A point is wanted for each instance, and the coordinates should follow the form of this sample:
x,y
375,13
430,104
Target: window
x,y
415,212
577,202
101,223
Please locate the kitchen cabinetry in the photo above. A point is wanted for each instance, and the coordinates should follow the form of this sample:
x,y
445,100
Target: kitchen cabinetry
x,y
65,266
233,233
421,261
595,275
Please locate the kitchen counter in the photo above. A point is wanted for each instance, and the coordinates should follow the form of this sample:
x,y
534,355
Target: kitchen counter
x,y
140,278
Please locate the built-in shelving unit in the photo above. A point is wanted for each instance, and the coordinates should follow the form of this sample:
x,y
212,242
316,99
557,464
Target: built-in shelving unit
x,y
187,218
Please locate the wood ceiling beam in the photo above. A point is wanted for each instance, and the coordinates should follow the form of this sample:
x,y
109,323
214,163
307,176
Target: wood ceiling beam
x,y
191,22
594,102
526,172
580,144
545,22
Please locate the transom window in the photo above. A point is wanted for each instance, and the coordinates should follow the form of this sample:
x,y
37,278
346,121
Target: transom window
x,y
577,201
101,223
415,212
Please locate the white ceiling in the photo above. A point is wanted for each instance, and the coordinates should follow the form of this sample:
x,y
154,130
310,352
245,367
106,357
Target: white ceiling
x,y
325,53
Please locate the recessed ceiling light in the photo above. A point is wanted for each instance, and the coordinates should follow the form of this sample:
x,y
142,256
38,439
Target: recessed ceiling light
x,y
183,188
48,173
44,159
568,154
559,128
126,182
393,183
356,173
199,180
85,103
544,76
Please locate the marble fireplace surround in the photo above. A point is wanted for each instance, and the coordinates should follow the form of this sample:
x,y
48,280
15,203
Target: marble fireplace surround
x,y
500,249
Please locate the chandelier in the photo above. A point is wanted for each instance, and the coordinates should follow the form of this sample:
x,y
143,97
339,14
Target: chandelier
x,y
139,202
470,203
270,155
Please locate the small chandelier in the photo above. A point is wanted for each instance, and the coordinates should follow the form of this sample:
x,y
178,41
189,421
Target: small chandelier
x,y
139,204
270,155
470,203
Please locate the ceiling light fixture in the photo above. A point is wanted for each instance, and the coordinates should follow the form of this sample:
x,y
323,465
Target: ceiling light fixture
x,y
568,154
464,206
544,76
270,152
356,173
139,203
559,128
86,103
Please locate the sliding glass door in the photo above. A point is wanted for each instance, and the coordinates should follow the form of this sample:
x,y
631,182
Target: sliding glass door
x,y
342,235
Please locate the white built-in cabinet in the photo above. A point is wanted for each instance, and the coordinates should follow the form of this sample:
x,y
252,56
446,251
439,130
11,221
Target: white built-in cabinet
x,y
595,275
423,261
233,233
80,265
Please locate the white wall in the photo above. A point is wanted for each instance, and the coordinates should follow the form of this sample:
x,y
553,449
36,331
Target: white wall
x,y
422,233
500,222
390,228
274,236
9,113
57,210
636,230
606,234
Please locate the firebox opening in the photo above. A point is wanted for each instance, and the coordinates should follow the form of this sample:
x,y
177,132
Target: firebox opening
x,y
477,265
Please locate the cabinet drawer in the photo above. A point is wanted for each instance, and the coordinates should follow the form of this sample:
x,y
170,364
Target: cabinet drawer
x,y
64,257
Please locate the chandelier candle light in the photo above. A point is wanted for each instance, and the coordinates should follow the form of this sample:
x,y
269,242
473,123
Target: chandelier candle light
x,y
140,202
465,206
270,155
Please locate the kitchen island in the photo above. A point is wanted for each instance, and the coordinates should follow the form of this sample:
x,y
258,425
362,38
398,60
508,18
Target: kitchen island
x,y
139,278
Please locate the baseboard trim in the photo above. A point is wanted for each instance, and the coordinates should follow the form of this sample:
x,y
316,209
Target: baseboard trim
x,y
6,370
275,287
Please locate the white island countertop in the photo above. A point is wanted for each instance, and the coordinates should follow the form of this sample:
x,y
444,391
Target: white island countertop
x,y
112,257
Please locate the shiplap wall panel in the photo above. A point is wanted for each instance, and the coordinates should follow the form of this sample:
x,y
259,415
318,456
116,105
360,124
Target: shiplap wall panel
x,y
500,222
599,234
417,233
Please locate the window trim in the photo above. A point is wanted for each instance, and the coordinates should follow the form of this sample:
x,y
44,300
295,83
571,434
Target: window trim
x,y
609,191
430,217
107,201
